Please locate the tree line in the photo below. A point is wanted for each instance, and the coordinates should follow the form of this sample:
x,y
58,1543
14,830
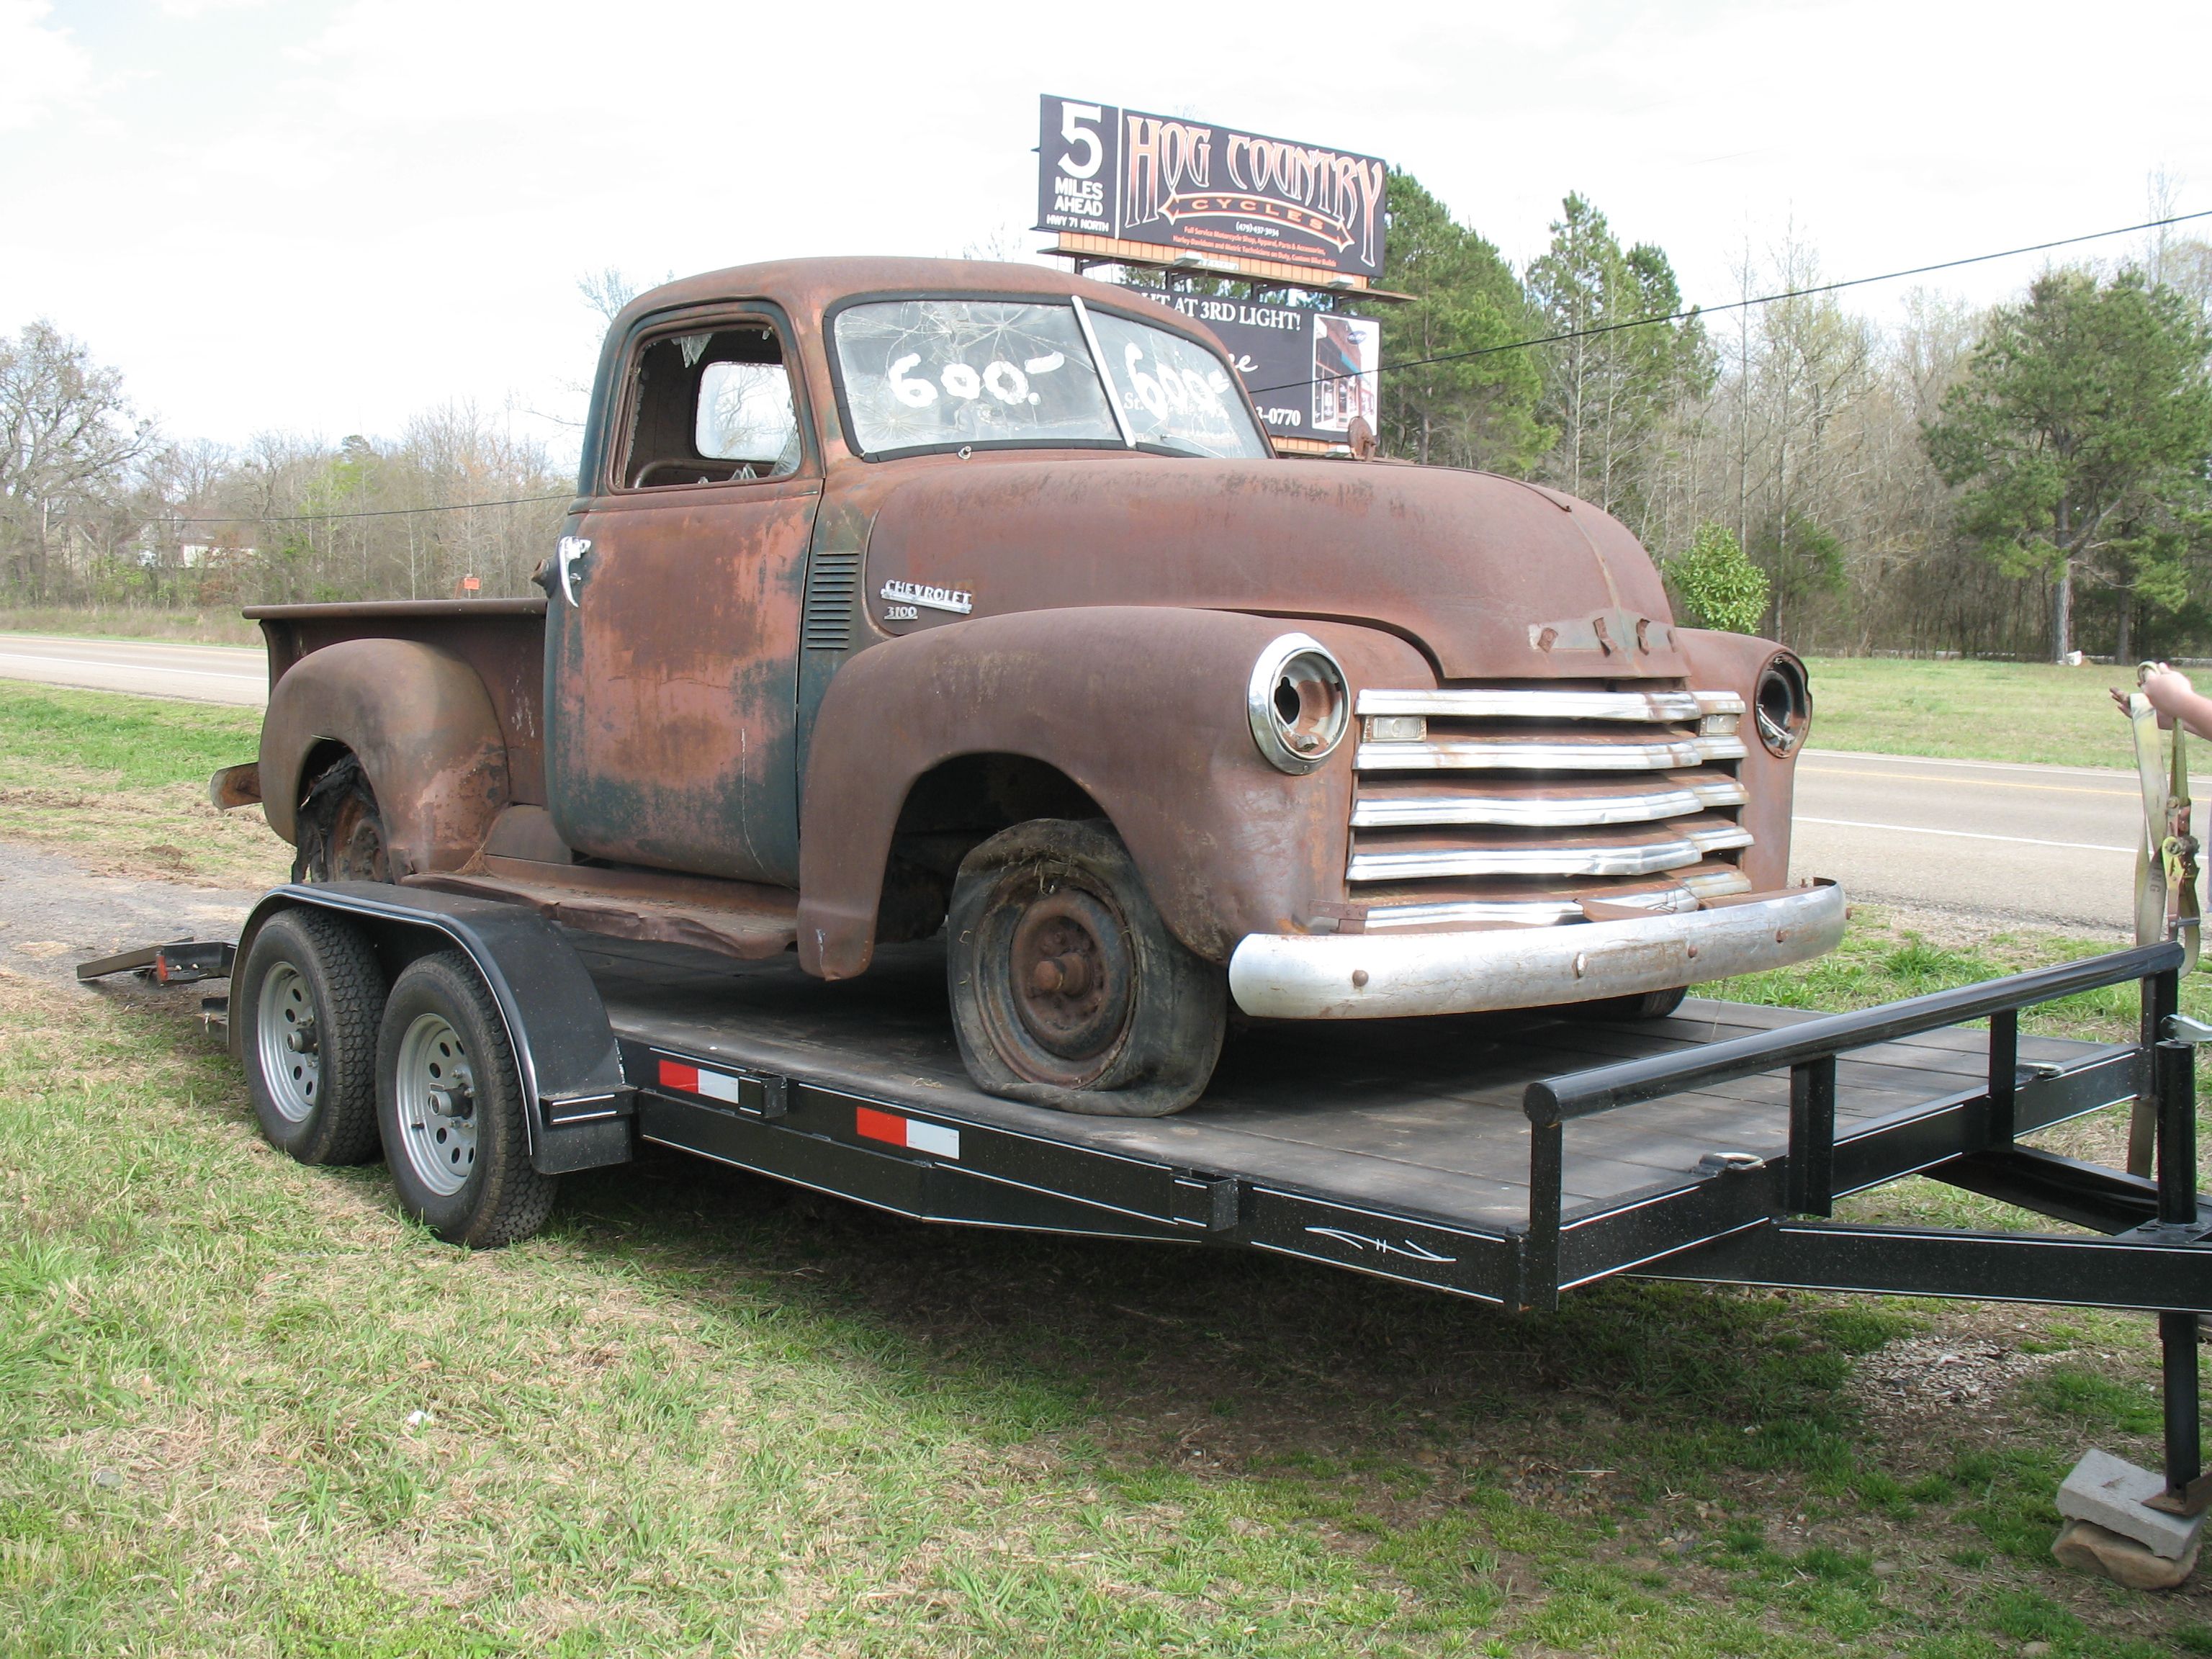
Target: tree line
x,y
2026,480
98,507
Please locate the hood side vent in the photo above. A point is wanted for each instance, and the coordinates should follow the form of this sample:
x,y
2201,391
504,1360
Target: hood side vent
x,y
832,582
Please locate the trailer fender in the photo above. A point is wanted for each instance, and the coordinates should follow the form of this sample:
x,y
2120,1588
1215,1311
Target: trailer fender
x,y
1143,708
577,1105
423,729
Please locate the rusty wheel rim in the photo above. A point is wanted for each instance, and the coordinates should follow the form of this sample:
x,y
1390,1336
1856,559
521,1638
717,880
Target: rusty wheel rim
x,y
357,845
1070,973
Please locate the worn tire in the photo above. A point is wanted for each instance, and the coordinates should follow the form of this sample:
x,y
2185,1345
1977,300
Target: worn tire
x,y
1648,1004
1131,1024
466,1176
341,829
313,974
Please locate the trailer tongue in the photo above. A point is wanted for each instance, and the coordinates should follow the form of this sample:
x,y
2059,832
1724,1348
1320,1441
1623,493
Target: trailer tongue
x,y
1507,1160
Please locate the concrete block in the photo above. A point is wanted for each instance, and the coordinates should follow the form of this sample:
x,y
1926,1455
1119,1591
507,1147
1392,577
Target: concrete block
x,y
2089,1547
2109,1491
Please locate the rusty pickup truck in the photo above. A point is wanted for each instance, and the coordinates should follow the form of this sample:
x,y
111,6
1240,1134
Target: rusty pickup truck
x,y
903,598
949,632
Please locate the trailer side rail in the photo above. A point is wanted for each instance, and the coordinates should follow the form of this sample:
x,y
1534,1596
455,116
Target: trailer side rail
x,y
2157,1256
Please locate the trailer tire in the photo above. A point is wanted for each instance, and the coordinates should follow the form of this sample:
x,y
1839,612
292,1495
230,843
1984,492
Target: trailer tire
x,y
449,1099
1067,988
309,998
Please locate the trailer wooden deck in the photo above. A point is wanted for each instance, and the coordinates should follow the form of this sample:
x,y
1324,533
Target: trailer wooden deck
x,y
1414,1122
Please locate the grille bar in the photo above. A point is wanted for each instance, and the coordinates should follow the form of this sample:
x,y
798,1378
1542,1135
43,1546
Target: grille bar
x,y
1638,851
1682,890
1514,752
1653,708
1404,804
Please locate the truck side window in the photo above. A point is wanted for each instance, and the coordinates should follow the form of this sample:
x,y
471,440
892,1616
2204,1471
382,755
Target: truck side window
x,y
712,407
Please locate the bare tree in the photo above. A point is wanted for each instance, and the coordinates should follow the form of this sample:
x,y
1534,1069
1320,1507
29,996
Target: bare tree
x,y
68,439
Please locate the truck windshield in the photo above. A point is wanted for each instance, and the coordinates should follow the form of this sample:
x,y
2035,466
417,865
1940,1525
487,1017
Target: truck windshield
x,y
933,374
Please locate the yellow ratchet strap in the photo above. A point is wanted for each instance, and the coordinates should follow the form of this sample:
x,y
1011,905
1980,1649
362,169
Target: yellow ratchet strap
x,y
2150,859
2178,849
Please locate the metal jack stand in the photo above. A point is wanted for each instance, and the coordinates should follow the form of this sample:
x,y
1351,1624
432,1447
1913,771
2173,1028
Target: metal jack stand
x,y
2188,1490
2123,1521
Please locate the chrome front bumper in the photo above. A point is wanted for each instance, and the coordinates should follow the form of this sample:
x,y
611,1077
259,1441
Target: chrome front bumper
x,y
1381,976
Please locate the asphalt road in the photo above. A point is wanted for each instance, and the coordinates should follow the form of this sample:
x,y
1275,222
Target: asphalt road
x,y
2051,845
204,673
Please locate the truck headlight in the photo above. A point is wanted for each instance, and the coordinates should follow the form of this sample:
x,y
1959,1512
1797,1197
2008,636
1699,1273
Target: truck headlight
x,y
1781,709
1300,707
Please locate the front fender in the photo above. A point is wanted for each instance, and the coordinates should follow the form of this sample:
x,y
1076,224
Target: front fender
x,y
1733,662
1143,708
424,729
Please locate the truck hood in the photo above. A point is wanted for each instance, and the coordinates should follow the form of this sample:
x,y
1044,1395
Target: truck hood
x,y
1495,579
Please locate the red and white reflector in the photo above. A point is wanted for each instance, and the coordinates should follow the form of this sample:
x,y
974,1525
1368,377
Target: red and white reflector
x,y
696,1080
910,1133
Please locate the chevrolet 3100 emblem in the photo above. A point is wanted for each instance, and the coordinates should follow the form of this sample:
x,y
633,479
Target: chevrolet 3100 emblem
x,y
930,599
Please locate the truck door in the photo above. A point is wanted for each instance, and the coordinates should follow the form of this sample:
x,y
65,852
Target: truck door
x,y
672,636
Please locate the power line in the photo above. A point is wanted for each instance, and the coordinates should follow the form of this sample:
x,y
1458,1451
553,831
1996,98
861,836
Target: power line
x,y
379,513
1735,305
1319,380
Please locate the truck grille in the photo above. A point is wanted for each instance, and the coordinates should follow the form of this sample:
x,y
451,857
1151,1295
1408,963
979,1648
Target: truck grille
x,y
1499,804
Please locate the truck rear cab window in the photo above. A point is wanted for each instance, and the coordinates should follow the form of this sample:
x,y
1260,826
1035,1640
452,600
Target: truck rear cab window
x,y
712,407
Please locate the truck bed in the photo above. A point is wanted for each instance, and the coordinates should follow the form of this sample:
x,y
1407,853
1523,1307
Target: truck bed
x,y
1417,1124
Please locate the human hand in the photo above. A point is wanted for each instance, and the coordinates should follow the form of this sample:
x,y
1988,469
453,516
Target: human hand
x,y
2169,692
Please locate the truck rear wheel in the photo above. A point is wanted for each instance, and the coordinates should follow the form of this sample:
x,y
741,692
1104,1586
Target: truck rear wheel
x,y
449,1099
1067,988
309,998
341,830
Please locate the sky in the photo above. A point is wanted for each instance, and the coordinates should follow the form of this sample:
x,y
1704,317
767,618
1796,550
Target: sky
x,y
321,217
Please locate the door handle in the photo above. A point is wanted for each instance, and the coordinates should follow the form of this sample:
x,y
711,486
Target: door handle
x,y
572,552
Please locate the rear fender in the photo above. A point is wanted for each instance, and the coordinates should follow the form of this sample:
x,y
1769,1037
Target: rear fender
x,y
1142,707
424,729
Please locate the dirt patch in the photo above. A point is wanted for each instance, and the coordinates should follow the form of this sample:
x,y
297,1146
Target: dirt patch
x,y
1919,1381
169,833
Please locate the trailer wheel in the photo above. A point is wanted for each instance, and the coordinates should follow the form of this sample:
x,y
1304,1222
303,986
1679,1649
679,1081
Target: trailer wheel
x,y
341,835
1067,988
449,1100
309,997
1648,1005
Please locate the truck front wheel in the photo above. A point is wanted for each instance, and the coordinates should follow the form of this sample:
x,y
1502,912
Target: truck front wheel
x,y
449,1100
1067,988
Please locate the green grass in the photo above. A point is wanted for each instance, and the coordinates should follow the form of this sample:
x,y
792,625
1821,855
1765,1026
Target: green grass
x,y
132,743
217,627
704,1414
1999,711
120,783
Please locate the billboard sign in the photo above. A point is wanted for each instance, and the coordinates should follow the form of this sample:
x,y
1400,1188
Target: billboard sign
x,y
1308,372
1192,187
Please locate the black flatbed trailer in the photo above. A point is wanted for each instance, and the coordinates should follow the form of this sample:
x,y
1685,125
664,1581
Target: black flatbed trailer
x,y
1504,1158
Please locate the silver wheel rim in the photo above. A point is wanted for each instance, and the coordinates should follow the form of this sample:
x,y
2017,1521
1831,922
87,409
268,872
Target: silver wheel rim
x,y
291,1061
435,1090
